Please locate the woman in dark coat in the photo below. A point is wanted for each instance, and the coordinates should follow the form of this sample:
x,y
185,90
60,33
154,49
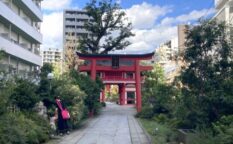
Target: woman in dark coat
x,y
62,125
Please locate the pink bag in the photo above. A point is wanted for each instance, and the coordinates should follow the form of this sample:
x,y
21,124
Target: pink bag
x,y
64,112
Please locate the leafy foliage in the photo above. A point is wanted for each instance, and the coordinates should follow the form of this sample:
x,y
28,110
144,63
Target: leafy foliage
x,y
71,59
45,85
90,87
107,20
160,133
201,137
208,76
224,130
46,69
146,113
5,93
156,93
24,95
72,97
204,101
17,129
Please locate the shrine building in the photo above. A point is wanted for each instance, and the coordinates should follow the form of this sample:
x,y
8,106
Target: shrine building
x,y
123,70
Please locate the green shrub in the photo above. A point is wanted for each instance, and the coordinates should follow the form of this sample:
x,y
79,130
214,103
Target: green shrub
x,y
15,128
43,129
174,122
69,93
160,133
97,107
73,98
91,88
6,90
147,113
224,130
24,95
201,137
10,130
78,112
161,118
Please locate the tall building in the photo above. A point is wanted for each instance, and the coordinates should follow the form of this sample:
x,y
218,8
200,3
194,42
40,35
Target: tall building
x,y
224,10
181,38
20,35
51,55
73,27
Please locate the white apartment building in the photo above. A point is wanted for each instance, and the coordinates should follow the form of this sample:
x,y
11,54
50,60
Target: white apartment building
x,y
20,35
168,50
52,56
224,10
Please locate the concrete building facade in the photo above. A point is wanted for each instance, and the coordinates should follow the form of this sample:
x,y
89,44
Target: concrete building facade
x,y
181,38
51,56
167,51
224,10
20,35
73,27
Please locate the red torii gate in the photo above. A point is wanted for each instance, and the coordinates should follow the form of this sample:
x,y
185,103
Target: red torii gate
x,y
120,69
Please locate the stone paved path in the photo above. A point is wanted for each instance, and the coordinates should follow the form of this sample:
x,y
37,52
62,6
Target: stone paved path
x,y
115,125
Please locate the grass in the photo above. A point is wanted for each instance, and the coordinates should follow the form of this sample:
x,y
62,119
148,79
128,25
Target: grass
x,y
160,134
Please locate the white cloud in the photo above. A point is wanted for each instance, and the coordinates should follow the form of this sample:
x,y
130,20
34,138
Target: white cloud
x,y
148,39
194,15
118,1
145,15
55,4
52,30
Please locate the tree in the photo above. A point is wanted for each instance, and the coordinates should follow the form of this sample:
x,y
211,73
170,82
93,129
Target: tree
x,y
44,86
70,59
107,26
207,78
90,87
156,93
46,69
57,69
24,95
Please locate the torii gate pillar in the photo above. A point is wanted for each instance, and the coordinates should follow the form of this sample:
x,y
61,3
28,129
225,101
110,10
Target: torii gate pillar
x,y
122,94
138,87
93,69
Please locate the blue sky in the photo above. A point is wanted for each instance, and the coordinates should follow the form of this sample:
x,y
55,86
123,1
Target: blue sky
x,y
180,6
154,21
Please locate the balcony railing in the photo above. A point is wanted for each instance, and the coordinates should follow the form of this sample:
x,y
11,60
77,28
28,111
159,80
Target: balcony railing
x,y
20,22
23,45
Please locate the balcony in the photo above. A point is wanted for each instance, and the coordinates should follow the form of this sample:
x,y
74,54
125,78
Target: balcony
x,y
30,8
13,48
19,24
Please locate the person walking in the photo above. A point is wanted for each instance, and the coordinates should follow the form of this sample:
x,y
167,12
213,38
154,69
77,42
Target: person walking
x,y
62,124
